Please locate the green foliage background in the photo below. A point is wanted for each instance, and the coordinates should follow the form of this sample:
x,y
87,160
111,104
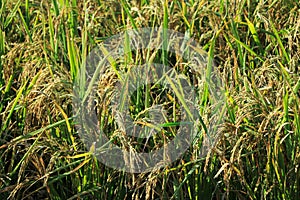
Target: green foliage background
x,y
256,48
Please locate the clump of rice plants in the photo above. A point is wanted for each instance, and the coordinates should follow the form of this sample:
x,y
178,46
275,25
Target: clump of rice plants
x,y
254,45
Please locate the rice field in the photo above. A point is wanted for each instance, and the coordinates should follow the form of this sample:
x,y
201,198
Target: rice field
x,y
253,47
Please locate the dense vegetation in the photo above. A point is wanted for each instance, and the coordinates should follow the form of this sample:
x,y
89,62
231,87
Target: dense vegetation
x,y
256,49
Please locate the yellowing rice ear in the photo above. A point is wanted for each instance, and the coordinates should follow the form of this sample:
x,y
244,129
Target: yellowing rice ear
x,y
45,95
45,87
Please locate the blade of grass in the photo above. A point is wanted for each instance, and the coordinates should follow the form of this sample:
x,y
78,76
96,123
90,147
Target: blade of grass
x,y
95,77
56,9
236,36
27,14
11,16
25,25
2,45
31,134
165,41
72,55
254,34
126,8
25,155
16,100
247,48
285,54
